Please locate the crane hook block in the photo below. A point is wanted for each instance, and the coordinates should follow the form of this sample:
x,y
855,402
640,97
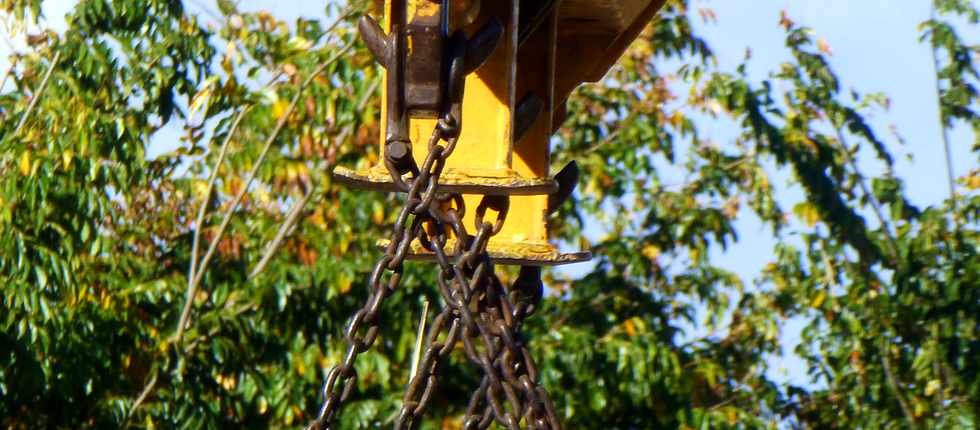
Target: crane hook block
x,y
526,58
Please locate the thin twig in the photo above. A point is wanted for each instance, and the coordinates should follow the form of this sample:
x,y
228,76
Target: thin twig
x,y
939,364
291,220
417,356
38,93
937,369
612,136
202,267
255,168
890,377
893,382
144,395
208,11
349,12
152,383
879,212
951,175
6,76
202,213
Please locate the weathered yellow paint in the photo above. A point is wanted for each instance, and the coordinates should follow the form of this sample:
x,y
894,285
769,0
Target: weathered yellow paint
x,y
578,41
422,9
521,254
484,156
463,181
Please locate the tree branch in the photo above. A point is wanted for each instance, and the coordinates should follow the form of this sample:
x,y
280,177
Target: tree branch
x,y
250,177
202,213
284,230
38,93
292,219
890,377
950,174
893,382
875,204
144,395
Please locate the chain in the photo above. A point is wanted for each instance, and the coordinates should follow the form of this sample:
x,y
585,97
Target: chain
x,y
363,329
480,313
509,371
526,292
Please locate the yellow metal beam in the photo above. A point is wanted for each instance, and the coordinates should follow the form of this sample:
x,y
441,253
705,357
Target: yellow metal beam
x,y
504,146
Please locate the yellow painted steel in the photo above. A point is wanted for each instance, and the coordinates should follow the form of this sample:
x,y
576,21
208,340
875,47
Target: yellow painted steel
x,y
485,153
561,53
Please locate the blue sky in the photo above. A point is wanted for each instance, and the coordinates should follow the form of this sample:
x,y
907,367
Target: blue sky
x,y
875,49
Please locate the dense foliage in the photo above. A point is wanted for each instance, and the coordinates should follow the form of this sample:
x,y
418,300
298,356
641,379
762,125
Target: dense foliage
x,y
239,231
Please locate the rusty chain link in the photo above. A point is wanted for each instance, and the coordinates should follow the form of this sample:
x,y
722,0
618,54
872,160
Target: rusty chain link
x,y
480,312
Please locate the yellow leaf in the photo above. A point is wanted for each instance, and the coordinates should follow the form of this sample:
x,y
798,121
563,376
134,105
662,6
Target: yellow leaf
x,y
82,295
83,144
299,366
630,328
106,302
25,163
318,219
807,213
299,43
819,299
66,158
228,382
233,185
732,415
344,283
263,196
762,179
232,56
297,411
933,386
226,64
378,215
919,407
199,99
279,108
651,252
263,405
973,181
199,188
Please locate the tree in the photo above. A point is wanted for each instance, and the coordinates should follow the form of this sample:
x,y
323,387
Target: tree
x,y
209,286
